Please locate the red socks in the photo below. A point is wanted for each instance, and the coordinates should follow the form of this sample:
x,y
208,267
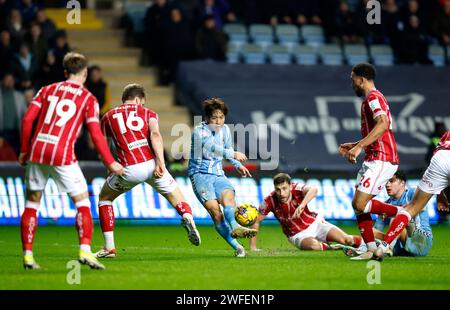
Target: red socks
x,y
365,225
106,213
84,224
398,224
28,225
379,207
183,208
357,241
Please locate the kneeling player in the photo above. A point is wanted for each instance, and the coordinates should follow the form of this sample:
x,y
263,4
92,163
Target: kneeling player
x,y
416,239
132,126
305,229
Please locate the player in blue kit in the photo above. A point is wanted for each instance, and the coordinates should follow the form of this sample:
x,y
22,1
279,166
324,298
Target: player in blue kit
x,y
417,238
211,143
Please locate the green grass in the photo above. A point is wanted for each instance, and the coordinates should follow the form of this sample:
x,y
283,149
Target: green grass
x,y
160,257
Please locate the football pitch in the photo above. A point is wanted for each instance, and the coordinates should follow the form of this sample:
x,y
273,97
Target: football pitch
x,y
160,257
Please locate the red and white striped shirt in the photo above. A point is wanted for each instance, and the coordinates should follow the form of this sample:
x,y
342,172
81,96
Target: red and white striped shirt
x,y
444,143
61,109
385,148
128,126
285,211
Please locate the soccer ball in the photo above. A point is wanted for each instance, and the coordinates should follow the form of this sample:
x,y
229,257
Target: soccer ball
x,y
246,214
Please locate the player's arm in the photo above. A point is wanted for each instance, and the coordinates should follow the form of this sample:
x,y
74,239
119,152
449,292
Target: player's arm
x,y
211,146
253,240
309,193
27,127
381,125
243,171
158,146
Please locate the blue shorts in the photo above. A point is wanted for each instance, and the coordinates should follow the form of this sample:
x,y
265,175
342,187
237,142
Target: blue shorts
x,y
209,186
419,244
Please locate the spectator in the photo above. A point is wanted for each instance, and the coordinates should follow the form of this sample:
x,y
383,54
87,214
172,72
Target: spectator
x,y
28,10
16,28
5,8
372,33
6,52
60,49
244,11
37,43
99,88
12,108
178,44
346,25
218,9
47,26
156,20
24,68
305,12
50,72
441,24
414,43
210,41
29,95
391,16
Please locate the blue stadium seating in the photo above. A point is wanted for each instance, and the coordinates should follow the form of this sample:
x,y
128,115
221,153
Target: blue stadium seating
x,y
233,53
237,33
287,35
279,54
331,54
312,35
382,55
261,34
436,54
305,54
355,54
253,54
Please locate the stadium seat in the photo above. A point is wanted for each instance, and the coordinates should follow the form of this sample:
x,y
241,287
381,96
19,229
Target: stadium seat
x,y
237,33
305,54
331,54
382,55
287,34
279,54
436,54
253,54
233,53
355,54
312,35
261,34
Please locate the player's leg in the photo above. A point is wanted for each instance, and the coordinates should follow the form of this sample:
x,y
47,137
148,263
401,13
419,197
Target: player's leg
x,y
36,179
107,220
222,227
372,178
70,179
203,187
335,234
168,188
225,191
312,244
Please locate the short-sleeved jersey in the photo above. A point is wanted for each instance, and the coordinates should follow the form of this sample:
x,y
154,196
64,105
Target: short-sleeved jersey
x,y
63,108
385,148
444,143
128,126
285,211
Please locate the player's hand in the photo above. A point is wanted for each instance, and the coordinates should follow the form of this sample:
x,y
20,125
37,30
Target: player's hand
x,y
240,156
244,172
22,159
160,169
116,168
353,154
442,203
345,147
298,212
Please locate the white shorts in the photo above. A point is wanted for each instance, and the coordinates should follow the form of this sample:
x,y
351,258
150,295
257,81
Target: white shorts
x,y
140,173
69,179
373,176
319,230
436,177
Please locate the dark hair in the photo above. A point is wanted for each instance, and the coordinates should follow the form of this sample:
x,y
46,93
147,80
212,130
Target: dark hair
x,y
74,63
212,104
365,70
132,91
280,178
400,175
95,67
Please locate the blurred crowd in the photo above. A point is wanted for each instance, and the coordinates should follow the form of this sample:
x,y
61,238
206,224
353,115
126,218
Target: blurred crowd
x,y
31,54
192,29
